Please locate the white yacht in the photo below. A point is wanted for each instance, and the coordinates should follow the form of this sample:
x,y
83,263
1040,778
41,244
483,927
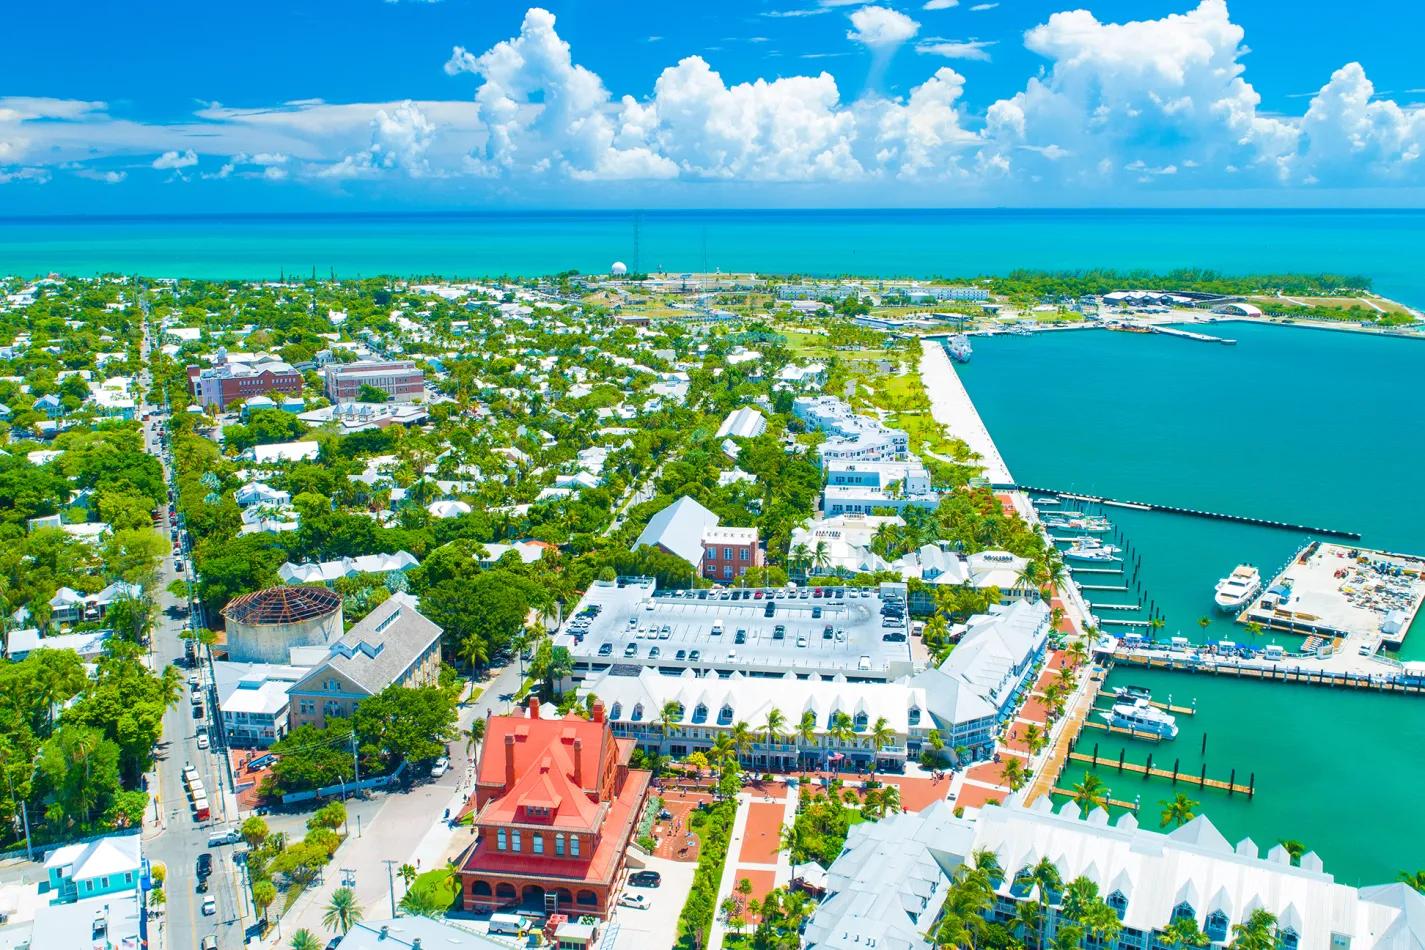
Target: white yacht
x,y
1091,524
1139,715
959,349
1237,589
1091,549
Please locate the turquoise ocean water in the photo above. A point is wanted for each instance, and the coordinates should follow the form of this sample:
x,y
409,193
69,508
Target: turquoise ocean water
x,y
1296,425
1384,245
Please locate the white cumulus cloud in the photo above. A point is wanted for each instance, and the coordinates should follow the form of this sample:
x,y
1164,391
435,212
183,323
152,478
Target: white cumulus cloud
x,y
956,49
176,159
881,28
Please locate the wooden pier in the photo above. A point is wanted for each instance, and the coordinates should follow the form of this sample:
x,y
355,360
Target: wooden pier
x,y
1123,623
1202,781
1194,512
1112,802
1120,731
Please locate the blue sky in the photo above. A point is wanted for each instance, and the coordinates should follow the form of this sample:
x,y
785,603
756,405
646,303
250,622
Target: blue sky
x,y
373,105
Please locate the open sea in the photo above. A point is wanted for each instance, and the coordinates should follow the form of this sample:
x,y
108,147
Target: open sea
x,y
1385,245
1297,425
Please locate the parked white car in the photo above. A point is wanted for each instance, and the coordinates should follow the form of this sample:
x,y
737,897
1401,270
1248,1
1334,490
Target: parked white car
x,y
442,765
636,901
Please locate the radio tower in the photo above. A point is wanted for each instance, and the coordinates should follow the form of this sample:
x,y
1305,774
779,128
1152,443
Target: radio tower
x,y
637,226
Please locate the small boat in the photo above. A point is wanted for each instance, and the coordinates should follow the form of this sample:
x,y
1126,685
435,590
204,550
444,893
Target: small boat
x,y
1132,692
1092,524
1045,502
1091,549
1237,589
1141,716
958,348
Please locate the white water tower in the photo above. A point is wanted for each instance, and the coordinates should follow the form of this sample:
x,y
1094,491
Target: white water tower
x,y
618,270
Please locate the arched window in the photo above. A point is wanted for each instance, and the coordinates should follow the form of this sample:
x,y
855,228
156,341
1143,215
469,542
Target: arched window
x,y
480,889
574,845
500,839
505,892
515,841
564,895
587,899
1183,910
559,845
1216,928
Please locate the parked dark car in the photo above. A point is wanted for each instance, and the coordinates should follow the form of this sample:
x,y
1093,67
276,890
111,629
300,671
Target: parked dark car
x,y
205,864
645,879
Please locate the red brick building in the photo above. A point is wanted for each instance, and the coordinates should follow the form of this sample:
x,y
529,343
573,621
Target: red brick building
x,y
555,808
402,380
729,552
225,383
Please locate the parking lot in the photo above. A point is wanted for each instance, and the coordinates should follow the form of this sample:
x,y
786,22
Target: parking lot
x,y
849,630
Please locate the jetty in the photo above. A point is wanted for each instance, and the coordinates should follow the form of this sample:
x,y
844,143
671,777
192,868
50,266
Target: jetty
x,y
1112,802
1192,512
1190,335
951,406
1200,780
1394,682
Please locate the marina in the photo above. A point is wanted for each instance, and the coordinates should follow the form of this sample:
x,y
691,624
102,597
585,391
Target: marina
x,y
1367,598
1194,512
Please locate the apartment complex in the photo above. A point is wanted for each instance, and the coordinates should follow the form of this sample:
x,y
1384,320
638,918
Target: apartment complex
x,y
402,380
555,806
849,437
228,382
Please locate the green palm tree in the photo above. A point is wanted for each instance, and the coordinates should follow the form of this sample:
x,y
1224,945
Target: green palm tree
x,y
1156,625
1045,875
669,716
789,839
304,939
1078,653
890,800
798,557
342,912
474,735
1091,793
1013,774
1294,848
776,725
1415,879
821,557
1179,810
1257,933
1255,629
1079,896
1184,932
1034,738
881,736
1028,920
806,729
1204,622
1101,923
742,739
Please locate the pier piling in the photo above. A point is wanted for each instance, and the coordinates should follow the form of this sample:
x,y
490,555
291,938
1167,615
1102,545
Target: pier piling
x,y
1202,779
1232,783
1252,785
1120,760
1150,766
1204,744
1175,770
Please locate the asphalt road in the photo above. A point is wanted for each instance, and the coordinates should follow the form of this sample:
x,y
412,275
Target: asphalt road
x,y
180,838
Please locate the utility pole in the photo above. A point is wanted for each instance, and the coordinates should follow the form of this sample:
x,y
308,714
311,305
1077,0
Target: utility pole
x,y
25,812
355,762
391,879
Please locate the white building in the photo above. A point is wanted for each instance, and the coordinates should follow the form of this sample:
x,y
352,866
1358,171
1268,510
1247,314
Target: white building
x,y
329,572
744,423
849,436
889,885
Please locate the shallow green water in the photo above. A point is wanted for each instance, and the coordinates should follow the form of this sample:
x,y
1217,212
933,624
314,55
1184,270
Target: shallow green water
x,y
1294,425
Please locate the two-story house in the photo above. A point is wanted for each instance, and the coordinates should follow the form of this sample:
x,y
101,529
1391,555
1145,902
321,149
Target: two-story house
x,y
555,807
392,645
111,865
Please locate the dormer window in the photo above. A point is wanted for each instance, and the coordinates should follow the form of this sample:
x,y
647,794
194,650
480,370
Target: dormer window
x,y
724,715
913,716
700,713
637,712
860,721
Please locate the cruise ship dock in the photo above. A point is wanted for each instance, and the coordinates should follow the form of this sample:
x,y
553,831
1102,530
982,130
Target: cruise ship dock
x,y
1336,591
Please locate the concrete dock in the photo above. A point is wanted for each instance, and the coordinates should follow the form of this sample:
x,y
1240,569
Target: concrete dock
x,y
951,406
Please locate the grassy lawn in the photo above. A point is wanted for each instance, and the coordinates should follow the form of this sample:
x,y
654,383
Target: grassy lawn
x,y
290,898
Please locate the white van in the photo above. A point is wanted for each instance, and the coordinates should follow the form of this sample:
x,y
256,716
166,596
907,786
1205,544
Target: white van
x,y
507,924
222,836
717,628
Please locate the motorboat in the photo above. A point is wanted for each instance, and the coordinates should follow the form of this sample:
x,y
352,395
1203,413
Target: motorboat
x,y
1091,549
1045,502
1091,524
958,348
1141,716
1237,589
1132,692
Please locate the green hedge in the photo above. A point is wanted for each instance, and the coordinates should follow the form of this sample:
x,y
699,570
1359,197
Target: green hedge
x,y
714,828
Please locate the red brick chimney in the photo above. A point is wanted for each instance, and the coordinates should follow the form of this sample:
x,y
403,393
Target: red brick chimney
x,y
579,763
509,761
534,707
598,710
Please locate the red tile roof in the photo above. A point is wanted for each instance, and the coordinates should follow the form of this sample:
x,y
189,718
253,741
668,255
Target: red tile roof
x,y
535,738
